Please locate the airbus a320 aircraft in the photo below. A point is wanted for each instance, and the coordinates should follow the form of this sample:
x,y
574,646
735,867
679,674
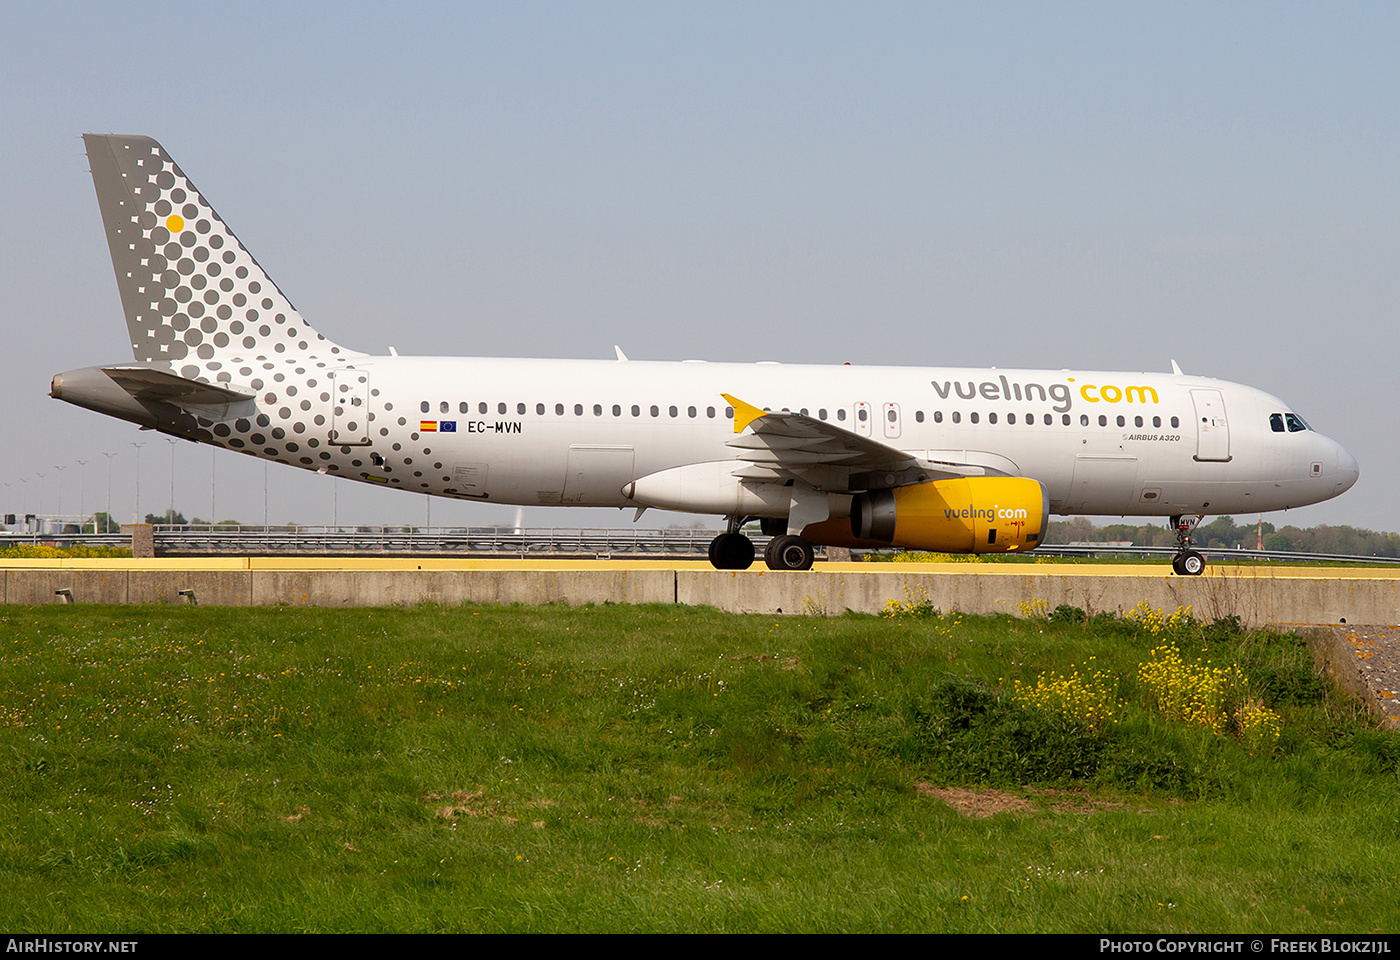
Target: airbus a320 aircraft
x,y
951,460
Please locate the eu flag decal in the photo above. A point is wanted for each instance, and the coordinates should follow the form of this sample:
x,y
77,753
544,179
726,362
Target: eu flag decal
x,y
447,426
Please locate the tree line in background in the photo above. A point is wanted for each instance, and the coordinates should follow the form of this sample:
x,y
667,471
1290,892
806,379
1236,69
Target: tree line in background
x,y
1223,532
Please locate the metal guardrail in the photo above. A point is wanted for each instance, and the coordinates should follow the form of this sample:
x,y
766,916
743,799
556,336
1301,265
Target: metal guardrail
x,y
603,542
214,539
1211,553
457,541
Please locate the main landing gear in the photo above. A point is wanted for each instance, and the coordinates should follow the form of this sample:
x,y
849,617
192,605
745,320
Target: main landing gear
x,y
734,551
1187,562
731,551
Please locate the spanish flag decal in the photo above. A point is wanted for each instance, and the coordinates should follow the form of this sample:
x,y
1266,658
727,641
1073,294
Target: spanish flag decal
x,y
427,426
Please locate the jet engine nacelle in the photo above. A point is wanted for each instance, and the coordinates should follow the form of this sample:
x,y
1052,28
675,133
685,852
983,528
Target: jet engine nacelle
x,y
963,515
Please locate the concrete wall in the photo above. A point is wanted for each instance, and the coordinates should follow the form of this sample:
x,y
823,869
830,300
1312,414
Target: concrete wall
x,y
1256,595
1255,599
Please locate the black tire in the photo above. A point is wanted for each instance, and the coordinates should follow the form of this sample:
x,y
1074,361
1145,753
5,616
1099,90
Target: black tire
x,y
731,551
770,555
789,553
1192,564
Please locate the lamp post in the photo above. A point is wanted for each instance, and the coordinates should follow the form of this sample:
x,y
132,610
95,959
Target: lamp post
x,y
59,511
82,500
107,525
138,447
171,515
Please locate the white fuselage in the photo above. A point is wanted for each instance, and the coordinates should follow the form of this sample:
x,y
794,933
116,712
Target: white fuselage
x,y
572,432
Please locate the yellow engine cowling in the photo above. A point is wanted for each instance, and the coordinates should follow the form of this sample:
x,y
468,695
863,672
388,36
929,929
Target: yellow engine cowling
x,y
965,515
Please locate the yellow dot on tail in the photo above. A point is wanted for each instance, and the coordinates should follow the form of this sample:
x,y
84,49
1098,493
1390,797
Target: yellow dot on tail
x,y
174,223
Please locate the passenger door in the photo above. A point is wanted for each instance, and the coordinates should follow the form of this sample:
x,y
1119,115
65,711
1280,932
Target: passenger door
x,y
1212,428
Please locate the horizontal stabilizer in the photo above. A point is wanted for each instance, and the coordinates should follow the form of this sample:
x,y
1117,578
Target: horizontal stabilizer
x,y
149,383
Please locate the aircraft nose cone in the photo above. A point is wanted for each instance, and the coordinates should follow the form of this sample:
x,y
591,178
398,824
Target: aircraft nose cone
x,y
1348,470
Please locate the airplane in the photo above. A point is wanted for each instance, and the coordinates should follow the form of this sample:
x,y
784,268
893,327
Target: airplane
x,y
940,459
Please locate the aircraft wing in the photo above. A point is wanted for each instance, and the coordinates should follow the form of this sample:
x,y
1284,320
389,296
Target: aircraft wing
x,y
777,446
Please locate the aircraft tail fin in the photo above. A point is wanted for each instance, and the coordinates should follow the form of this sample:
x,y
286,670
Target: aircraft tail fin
x,y
193,296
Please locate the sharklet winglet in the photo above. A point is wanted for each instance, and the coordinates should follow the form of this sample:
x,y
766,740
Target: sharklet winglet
x,y
744,413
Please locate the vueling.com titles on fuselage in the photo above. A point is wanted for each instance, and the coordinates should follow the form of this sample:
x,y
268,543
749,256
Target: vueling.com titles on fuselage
x,y
1003,389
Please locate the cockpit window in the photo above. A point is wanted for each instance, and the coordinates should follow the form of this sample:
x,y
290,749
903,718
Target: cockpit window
x,y
1276,422
1295,423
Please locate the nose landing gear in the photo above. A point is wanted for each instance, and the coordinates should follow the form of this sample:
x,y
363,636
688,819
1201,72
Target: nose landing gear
x,y
1186,562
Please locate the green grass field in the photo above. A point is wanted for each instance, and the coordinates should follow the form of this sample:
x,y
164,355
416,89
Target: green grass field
x,y
670,769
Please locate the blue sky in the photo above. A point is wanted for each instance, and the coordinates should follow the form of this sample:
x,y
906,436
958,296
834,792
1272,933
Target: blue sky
x,y
1046,185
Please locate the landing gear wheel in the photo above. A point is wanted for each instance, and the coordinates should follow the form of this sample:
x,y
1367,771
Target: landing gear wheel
x,y
1186,562
788,553
731,551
